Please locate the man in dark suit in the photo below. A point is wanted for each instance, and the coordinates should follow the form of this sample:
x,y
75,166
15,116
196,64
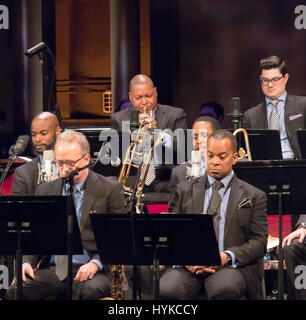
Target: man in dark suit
x,y
94,193
143,96
44,131
179,173
240,223
294,248
279,111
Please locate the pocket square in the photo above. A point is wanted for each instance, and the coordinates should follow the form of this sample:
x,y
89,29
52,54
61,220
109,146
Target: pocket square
x,y
295,116
245,203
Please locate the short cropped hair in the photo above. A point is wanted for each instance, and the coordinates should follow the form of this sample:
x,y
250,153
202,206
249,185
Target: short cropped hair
x,y
273,62
215,125
71,136
224,134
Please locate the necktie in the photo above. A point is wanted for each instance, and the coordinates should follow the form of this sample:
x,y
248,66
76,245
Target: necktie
x,y
214,205
274,116
61,262
150,175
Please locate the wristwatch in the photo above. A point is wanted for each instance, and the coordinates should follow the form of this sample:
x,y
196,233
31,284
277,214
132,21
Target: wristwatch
x,y
229,259
302,225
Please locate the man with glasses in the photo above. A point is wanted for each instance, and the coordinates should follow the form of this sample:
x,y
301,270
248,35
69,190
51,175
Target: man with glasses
x,y
280,111
45,278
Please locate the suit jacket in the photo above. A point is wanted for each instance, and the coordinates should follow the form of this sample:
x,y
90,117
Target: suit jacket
x,y
166,117
256,118
246,229
101,195
25,178
178,175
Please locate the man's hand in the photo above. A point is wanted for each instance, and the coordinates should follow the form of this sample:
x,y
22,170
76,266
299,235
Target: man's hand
x,y
144,118
297,234
27,272
208,269
86,271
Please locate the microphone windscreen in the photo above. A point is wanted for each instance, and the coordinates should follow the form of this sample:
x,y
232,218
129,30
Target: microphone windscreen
x,y
21,144
235,105
48,155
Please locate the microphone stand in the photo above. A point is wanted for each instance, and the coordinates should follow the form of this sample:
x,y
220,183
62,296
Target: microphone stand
x,y
69,178
12,158
236,118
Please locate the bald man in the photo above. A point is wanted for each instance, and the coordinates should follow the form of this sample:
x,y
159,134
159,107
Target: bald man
x,y
44,131
143,95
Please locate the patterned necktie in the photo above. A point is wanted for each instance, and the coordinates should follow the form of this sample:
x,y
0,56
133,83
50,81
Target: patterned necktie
x,y
150,174
214,205
274,116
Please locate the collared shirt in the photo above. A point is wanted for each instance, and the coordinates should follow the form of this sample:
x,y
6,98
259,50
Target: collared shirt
x,y
224,193
286,148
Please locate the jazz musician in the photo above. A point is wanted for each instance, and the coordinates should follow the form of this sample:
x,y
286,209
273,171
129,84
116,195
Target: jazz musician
x,y
45,278
280,110
240,222
44,131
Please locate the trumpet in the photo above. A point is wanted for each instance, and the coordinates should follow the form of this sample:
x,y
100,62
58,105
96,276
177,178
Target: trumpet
x,y
241,152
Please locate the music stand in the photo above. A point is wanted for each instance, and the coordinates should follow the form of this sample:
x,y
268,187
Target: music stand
x,y
37,225
264,144
166,239
283,182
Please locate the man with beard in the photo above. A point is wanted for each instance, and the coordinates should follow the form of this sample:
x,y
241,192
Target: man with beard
x,y
44,131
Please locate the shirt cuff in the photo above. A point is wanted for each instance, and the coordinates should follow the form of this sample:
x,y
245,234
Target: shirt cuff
x,y
234,263
98,263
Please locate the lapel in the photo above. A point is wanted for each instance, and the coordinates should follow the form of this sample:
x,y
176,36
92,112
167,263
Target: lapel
x,y
198,194
89,198
262,117
289,111
236,195
160,117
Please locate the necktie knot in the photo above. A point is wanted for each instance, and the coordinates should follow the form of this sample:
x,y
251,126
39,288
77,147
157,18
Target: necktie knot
x,y
217,185
274,102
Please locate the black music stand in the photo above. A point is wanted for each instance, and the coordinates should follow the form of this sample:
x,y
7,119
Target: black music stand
x,y
264,144
37,225
166,239
283,182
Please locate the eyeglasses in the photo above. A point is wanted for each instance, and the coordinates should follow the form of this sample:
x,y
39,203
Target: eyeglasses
x,y
266,82
68,163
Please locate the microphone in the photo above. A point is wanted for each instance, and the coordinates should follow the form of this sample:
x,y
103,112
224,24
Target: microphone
x,y
69,176
47,168
134,119
19,147
35,50
235,115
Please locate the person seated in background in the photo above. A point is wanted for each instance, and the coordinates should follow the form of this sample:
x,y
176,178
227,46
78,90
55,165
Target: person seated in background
x,y
279,110
240,223
212,109
143,96
294,249
180,172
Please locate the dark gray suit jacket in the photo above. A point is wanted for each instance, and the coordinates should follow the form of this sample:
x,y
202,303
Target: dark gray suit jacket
x,y
101,196
166,117
295,118
246,229
25,178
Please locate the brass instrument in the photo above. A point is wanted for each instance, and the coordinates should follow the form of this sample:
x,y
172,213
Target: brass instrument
x,y
241,152
142,148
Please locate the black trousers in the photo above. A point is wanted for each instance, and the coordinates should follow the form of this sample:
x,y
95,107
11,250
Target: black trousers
x,y
47,286
295,257
180,284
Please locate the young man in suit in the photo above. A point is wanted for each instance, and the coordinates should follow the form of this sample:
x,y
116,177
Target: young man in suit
x,y
94,193
44,131
143,95
279,111
240,223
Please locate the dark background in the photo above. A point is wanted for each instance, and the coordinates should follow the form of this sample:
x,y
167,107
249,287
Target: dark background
x,y
200,50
